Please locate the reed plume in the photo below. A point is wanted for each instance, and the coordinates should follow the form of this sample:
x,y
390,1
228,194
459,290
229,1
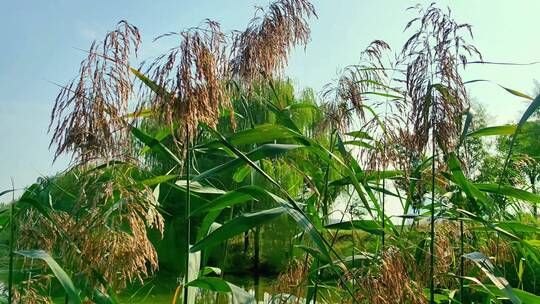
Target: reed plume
x,y
191,77
436,94
349,94
393,282
107,224
87,118
262,49
195,76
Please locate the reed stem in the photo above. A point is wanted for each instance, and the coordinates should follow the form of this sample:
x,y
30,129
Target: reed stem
x,y
187,217
11,244
432,221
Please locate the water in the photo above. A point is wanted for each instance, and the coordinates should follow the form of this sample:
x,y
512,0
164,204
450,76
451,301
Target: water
x,y
161,290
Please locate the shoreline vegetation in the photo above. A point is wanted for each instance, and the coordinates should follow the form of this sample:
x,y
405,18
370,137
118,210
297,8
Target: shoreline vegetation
x,y
204,176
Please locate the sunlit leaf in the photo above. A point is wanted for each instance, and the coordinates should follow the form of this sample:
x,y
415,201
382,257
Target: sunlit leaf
x,y
61,275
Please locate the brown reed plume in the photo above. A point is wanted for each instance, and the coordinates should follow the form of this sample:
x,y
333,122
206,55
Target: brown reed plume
x,y
87,116
263,48
447,250
31,290
435,91
412,91
349,93
367,97
393,282
294,280
194,76
192,79
416,92
107,224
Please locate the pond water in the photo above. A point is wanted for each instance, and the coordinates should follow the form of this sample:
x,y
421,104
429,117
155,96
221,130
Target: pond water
x,y
161,290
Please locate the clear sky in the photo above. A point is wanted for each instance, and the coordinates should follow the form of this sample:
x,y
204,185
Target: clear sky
x,y
41,42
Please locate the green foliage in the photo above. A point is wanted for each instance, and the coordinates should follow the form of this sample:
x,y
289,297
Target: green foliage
x,y
65,280
281,181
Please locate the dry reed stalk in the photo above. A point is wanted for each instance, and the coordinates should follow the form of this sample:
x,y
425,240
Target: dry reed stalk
x,y
294,280
499,250
392,283
30,290
447,250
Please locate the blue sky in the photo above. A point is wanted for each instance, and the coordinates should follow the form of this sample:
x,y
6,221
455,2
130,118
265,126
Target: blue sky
x,y
41,42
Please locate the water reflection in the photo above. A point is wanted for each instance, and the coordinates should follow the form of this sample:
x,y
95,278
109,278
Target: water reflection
x,y
161,291
206,297
261,291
